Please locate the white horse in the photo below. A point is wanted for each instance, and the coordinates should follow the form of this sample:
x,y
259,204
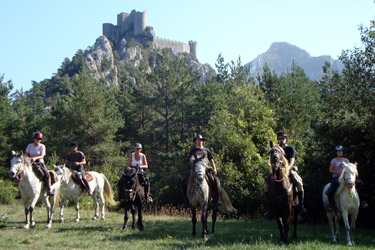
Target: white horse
x,y
99,185
347,203
31,187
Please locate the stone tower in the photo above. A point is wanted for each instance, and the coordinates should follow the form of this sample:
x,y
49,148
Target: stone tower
x,y
193,48
140,22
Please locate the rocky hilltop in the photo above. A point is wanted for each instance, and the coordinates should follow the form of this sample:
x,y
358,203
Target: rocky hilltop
x,y
131,42
280,55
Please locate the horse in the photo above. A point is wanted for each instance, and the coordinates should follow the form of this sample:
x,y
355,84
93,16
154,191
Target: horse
x,y
199,194
347,203
70,189
281,195
132,196
31,187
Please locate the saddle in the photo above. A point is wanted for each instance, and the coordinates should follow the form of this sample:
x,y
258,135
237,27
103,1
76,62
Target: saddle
x,y
77,178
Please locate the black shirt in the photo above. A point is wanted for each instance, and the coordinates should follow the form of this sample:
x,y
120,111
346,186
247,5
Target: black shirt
x,y
290,152
199,152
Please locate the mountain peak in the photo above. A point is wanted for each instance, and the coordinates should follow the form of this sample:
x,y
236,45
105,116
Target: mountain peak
x,y
280,56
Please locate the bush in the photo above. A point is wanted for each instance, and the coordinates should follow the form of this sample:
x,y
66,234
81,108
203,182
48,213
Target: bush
x,y
7,191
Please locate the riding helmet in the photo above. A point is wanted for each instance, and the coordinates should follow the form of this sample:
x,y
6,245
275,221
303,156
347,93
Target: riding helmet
x,y
199,137
338,148
282,134
38,135
138,145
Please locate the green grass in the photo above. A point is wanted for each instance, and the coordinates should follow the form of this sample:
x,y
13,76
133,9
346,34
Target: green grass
x,y
161,232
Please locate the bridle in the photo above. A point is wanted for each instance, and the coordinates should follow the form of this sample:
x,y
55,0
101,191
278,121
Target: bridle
x,y
21,168
130,193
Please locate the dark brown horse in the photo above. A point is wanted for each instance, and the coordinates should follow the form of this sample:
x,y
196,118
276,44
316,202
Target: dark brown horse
x,y
132,196
281,193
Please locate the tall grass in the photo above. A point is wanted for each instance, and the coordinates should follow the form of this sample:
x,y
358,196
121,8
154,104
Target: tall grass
x,y
161,232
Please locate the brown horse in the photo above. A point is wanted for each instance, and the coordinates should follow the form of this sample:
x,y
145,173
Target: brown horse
x,y
132,196
281,193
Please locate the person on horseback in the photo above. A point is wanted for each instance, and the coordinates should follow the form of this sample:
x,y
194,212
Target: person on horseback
x,y
75,160
36,152
290,155
197,152
138,161
335,169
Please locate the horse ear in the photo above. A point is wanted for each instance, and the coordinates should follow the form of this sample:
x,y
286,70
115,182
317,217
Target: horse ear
x,y
271,144
13,153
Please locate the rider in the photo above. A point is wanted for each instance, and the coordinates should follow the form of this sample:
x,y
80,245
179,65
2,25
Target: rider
x,y
197,152
138,161
36,152
75,160
335,169
290,154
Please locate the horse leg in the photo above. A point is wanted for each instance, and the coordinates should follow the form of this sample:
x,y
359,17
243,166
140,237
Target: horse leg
x,y
204,222
295,223
27,223
96,202
49,214
31,209
214,216
337,226
133,215
140,218
281,228
102,201
345,216
286,229
61,219
352,227
76,202
126,217
194,220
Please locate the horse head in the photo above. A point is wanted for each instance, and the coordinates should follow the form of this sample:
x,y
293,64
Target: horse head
x,y
59,170
129,184
277,160
349,174
199,169
17,164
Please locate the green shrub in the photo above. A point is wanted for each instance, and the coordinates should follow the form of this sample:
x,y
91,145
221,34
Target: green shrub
x,y
7,191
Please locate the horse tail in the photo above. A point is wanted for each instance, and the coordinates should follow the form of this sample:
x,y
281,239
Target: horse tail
x,y
108,193
226,206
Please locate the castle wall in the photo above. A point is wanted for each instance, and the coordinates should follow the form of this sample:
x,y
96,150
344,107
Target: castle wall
x,y
178,47
108,29
193,48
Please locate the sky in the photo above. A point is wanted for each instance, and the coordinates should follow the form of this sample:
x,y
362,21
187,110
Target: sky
x,y
36,36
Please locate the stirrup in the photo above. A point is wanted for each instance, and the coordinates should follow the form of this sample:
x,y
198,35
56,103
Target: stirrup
x,y
149,199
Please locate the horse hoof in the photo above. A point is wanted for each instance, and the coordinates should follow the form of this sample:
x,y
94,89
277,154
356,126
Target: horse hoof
x,y
94,218
61,220
103,218
26,226
205,238
212,234
76,220
49,226
33,224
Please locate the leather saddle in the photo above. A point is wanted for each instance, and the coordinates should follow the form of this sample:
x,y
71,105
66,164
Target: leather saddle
x,y
77,179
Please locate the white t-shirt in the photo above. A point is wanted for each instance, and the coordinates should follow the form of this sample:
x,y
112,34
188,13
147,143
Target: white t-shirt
x,y
36,150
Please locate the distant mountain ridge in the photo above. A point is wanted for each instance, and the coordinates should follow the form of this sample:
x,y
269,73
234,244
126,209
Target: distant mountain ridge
x,y
279,58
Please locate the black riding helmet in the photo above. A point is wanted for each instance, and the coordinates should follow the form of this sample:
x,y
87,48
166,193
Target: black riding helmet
x,y
282,134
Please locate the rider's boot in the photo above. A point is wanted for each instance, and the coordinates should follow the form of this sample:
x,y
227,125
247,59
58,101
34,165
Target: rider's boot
x,y
331,202
47,185
87,186
301,202
215,193
147,192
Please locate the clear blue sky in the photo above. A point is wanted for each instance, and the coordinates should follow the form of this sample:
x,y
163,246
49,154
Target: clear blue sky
x,y
37,35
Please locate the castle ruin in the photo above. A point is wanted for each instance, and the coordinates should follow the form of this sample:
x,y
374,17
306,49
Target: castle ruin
x,y
134,25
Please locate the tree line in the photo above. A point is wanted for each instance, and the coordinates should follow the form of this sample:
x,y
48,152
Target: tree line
x,y
164,109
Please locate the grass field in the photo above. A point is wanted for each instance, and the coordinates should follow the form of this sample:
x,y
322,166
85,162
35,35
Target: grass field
x,y
161,232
